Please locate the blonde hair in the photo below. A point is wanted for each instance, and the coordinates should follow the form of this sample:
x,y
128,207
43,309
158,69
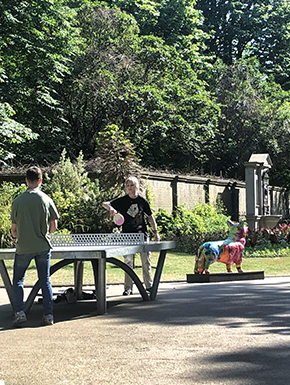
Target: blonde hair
x,y
133,180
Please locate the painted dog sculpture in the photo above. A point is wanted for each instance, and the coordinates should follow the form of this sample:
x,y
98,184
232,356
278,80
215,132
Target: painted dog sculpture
x,y
228,251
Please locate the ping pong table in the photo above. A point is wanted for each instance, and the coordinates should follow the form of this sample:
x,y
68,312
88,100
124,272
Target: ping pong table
x,y
99,249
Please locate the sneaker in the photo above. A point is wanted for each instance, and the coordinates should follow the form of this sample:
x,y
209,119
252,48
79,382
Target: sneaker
x,y
149,289
19,318
47,319
128,292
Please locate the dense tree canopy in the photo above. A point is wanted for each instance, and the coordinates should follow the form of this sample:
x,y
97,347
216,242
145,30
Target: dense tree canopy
x,y
141,84
194,86
254,118
37,42
255,28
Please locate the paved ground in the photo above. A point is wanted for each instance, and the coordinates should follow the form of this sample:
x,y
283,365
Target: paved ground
x,y
233,333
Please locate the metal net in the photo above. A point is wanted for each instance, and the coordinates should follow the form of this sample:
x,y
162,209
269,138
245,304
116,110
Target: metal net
x,y
101,239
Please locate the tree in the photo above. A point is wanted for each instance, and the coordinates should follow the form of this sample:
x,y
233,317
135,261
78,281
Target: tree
x,y
11,133
38,40
177,22
90,95
167,19
243,29
178,18
168,114
255,118
145,12
142,85
116,159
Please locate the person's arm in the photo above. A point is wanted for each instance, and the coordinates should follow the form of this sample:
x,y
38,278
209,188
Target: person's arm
x,y
154,226
52,226
107,206
14,232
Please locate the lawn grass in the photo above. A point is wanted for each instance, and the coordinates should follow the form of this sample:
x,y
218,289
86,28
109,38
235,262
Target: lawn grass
x,y
176,266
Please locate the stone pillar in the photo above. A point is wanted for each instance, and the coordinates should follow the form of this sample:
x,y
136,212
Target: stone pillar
x,y
235,204
174,192
255,168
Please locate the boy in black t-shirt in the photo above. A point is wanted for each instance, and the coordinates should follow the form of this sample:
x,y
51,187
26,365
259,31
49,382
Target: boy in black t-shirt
x,y
134,207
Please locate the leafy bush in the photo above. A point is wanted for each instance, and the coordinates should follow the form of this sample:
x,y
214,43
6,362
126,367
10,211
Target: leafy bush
x,y
192,228
8,191
76,197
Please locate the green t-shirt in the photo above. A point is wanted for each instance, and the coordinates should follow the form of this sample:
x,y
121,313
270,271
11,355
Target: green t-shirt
x,y
31,212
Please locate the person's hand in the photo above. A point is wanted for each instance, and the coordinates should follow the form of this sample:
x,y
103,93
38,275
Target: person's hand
x,y
113,211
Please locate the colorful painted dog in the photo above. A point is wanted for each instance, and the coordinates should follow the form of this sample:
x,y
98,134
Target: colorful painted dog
x,y
229,251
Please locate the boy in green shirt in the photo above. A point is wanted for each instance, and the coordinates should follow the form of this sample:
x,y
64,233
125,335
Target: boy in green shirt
x,y
34,216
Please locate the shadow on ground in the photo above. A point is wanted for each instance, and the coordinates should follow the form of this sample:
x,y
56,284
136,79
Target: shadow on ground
x,y
202,334
228,304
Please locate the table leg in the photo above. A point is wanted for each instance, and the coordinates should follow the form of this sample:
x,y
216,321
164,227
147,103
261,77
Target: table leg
x,y
132,274
99,268
7,282
78,278
157,275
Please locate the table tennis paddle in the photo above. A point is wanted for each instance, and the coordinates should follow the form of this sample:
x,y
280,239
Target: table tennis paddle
x,y
118,219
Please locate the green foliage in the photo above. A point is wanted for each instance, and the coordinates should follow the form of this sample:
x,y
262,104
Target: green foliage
x,y
150,197
248,28
254,118
75,196
69,69
191,228
91,94
38,40
147,88
11,133
169,116
8,191
169,20
146,12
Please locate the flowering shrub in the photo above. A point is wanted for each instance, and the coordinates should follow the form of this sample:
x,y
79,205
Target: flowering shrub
x,y
268,242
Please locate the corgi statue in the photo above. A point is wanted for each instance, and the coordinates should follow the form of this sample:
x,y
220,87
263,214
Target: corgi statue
x,y
228,251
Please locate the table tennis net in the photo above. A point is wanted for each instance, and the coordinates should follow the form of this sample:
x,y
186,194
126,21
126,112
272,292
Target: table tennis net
x,y
101,239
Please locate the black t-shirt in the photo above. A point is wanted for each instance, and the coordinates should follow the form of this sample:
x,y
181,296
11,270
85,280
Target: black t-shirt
x,y
133,210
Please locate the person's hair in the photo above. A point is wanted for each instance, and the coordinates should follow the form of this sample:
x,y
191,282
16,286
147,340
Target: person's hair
x,y
134,180
33,174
